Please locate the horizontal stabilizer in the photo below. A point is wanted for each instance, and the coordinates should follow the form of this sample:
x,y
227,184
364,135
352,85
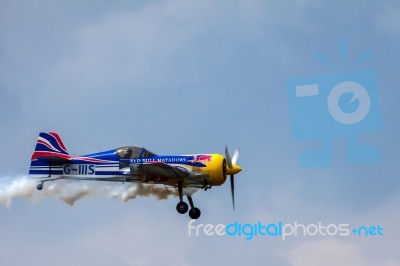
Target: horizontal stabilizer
x,y
53,159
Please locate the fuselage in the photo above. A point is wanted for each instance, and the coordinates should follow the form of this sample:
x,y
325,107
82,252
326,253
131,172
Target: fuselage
x,y
123,164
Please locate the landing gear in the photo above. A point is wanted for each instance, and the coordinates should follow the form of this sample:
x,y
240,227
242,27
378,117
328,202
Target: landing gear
x,y
194,212
182,207
39,186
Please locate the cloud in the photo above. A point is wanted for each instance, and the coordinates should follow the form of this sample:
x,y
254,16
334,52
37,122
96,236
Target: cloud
x,y
163,43
332,252
388,18
139,241
186,76
351,250
327,253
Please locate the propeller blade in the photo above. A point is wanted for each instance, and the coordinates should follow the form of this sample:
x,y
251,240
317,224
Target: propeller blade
x,y
233,191
228,158
231,162
235,156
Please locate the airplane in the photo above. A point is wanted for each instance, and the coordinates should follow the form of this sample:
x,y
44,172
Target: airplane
x,y
50,162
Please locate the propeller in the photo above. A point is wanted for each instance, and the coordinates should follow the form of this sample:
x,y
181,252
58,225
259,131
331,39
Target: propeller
x,y
233,191
232,170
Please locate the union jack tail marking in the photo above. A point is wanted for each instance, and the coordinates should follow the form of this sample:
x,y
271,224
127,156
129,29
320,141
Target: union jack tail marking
x,y
49,144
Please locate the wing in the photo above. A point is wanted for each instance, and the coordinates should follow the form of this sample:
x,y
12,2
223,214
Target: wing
x,y
159,169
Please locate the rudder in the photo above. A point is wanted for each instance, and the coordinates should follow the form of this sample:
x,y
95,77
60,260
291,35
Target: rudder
x,y
50,153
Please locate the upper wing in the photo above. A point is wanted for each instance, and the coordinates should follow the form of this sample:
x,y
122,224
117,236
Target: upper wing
x,y
159,169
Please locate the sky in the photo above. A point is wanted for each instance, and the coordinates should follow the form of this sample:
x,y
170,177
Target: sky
x,y
181,77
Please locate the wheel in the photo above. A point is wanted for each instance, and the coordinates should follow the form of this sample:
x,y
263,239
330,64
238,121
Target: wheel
x,y
39,186
194,213
182,207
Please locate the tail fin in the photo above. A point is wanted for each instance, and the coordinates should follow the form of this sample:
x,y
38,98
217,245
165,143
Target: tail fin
x,y
50,151
49,144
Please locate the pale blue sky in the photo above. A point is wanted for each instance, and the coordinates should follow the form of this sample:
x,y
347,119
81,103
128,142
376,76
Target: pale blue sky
x,y
184,77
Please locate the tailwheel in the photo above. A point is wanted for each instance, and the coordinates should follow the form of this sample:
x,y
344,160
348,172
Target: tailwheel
x,y
182,207
39,186
194,213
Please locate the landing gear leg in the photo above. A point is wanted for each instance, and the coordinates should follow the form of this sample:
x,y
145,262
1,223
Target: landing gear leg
x,y
182,206
194,212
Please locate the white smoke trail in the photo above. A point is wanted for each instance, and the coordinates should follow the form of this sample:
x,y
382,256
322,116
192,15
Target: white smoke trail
x,y
20,187
70,191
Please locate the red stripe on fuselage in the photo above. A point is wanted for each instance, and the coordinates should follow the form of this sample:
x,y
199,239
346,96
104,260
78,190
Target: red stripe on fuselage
x,y
37,154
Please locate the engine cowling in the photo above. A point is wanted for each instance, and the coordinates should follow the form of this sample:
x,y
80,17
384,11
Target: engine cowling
x,y
216,169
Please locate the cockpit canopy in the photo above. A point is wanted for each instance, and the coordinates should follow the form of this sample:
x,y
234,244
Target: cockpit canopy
x,y
131,152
